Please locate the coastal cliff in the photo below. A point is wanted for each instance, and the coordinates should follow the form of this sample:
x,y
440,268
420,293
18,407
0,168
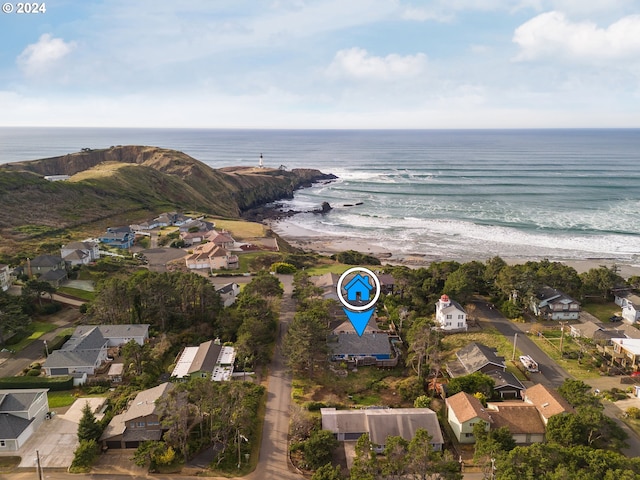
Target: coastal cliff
x,y
109,182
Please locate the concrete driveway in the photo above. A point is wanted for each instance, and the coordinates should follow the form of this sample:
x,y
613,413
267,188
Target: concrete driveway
x,y
57,439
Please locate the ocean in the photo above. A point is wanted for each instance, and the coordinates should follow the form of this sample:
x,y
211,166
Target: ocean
x,y
557,194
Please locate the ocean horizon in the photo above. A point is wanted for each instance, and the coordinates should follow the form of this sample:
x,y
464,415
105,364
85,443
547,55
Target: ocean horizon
x,y
557,194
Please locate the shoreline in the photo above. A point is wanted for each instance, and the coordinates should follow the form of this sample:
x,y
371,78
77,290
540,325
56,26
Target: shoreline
x,y
327,245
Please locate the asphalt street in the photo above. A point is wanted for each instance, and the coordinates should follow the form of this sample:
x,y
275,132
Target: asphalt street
x,y
551,374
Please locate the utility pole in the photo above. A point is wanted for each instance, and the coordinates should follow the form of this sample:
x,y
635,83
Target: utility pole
x,y
561,336
515,342
38,467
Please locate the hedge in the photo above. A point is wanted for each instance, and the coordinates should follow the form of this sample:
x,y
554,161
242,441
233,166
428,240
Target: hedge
x,y
53,384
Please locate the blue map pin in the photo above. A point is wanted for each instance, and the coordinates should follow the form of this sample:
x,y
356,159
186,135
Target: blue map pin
x,y
359,289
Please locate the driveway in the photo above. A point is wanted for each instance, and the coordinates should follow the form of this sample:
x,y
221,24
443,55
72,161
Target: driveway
x,y
57,439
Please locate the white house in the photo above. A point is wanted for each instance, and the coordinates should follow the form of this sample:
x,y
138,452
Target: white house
x,y
551,304
228,293
21,413
450,315
5,277
80,253
630,304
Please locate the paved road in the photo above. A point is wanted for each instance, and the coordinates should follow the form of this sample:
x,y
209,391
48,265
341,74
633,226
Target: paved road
x,y
551,374
274,463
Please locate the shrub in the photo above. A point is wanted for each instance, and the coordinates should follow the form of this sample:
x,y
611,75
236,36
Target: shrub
x,y
84,456
51,308
284,268
54,384
34,372
411,388
633,412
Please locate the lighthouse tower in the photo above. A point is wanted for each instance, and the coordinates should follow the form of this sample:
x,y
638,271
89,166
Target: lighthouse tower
x,y
260,163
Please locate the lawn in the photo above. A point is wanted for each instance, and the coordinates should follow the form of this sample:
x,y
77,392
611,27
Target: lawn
x,y
37,330
76,292
241,230
61,399
581,371
603,311
245,259
9,463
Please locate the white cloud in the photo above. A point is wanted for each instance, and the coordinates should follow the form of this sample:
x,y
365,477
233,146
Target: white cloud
x,y
552,35
357,63
41,56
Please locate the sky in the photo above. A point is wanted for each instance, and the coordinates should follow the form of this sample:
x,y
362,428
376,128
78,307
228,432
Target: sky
x,y
322,64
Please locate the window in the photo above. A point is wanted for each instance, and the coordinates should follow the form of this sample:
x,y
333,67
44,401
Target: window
x,y
449,316
471,424
460,324
448,324
468,435
461,317
141,424
149,423
3,443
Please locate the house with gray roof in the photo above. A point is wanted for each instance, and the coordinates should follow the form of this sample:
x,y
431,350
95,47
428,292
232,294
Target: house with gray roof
x,y
87,348
48,268
506,384
141,421
552,304
80,253
382,423
347,346
475,357
21,413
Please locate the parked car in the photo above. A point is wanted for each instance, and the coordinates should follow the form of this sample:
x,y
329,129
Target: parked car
x,y
615,318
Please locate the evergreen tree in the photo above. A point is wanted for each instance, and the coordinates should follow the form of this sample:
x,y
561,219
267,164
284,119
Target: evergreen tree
x,y
88,428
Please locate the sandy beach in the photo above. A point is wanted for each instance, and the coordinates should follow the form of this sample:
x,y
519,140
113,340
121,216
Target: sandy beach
x,y
326,244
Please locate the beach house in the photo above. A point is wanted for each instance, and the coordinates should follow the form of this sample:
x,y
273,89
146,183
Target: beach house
x,y
630,303
552,304
21,413
450,316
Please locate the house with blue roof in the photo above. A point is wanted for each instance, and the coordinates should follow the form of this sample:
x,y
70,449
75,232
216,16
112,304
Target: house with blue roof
x,y
119,237
359,288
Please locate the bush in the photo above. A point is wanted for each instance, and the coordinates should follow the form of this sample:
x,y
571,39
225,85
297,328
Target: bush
x,y
315,406
84,456
54,384
34,372
351,257
284,268
51,308
411,388
633,412
510,309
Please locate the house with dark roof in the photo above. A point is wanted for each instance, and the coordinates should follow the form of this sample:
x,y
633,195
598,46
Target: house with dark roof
x,y
21,413
349,347
450,316
552,304
586,329
141,421
464,411
547,401
475,357
208,360
228,293
387,283
45,263
117,335
382,423
506,384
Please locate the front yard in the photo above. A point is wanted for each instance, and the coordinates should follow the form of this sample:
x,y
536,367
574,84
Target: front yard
x,y
603,311
578,363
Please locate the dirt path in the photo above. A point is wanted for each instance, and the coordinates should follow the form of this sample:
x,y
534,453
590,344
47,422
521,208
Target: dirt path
x,y
274,462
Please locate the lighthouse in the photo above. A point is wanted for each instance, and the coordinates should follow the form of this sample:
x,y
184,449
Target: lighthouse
x,y
260,163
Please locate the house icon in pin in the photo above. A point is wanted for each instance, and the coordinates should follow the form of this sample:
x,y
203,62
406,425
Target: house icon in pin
x,y
359,288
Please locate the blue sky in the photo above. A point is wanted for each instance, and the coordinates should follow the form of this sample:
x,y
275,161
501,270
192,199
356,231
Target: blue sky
x,y
322,64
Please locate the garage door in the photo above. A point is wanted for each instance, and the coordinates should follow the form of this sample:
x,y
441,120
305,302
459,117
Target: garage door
x,y
59,371
114,445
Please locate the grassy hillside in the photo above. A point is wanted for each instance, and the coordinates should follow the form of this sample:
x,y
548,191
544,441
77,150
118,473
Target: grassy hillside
x,y
125,185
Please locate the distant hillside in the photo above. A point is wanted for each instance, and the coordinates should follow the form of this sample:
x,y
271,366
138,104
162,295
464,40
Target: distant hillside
x,y
106,183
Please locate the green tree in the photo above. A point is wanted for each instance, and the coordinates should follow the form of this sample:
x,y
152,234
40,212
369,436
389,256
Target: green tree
x,y
365,464
88,427
424,463
318,448
147,453
600,281
328,472
422,401
84,455
578,393
282,267
395,457
305,343
472,383
263,285
12,317
34,289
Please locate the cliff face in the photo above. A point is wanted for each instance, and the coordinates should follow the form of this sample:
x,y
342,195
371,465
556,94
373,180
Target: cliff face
x,y
108,182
